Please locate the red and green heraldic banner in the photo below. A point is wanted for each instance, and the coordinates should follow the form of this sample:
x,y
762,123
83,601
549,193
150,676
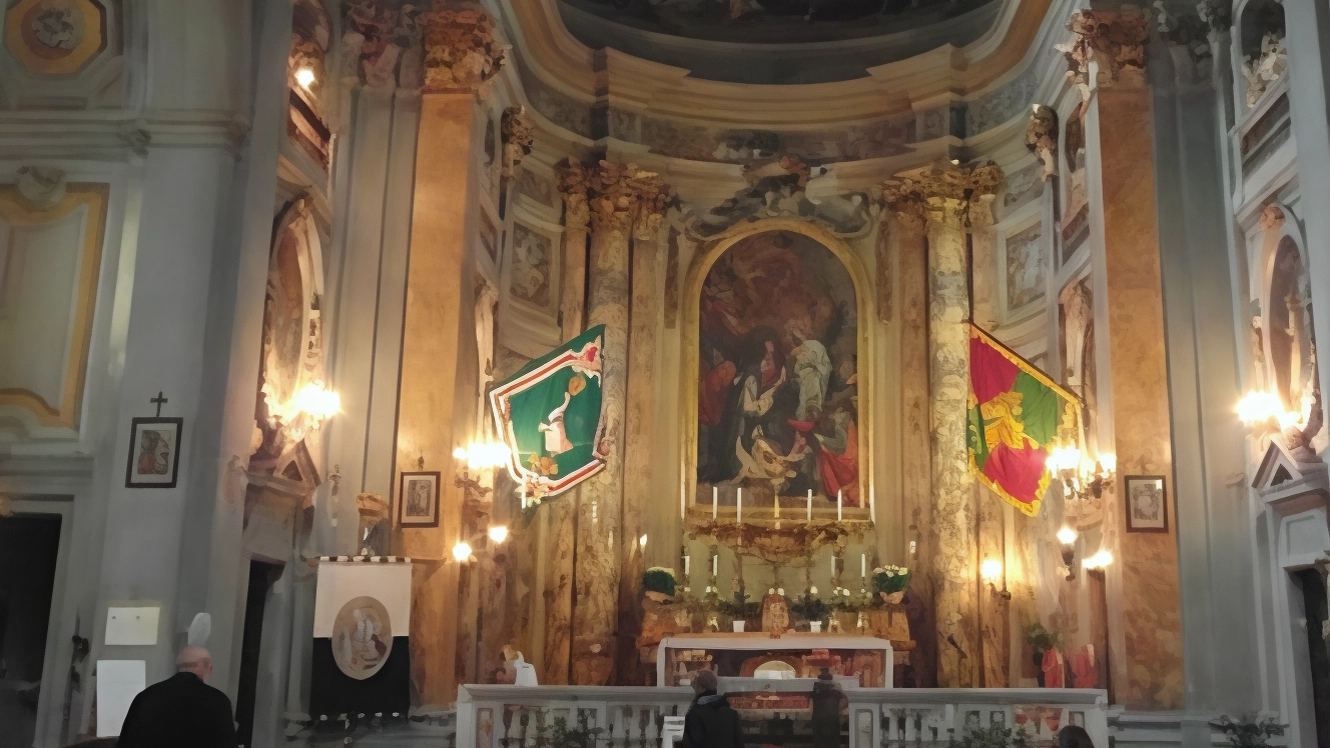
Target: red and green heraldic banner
x,y
1016,414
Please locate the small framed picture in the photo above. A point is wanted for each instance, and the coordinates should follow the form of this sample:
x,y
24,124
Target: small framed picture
x,y
1147,503
154,452
418,503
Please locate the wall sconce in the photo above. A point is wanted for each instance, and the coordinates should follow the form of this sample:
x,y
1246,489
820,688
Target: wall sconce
x,y
1067,537
1257,408
462,552
498,533
305,77
483,455
1080,480
1099,561
990,570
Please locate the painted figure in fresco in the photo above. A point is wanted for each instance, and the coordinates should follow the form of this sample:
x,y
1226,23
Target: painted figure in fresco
x,y
777,401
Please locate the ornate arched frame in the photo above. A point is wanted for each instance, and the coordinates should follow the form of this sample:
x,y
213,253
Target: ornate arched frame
x,y
1289,231
867,362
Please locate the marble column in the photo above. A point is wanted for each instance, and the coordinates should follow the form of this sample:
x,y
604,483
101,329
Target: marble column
x,y
1146,647
946,197
640,450
615,191
437,389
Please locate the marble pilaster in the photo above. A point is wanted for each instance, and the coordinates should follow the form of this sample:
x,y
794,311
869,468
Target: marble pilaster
x,y
1108,55
576,217
615,194
438,364
640,450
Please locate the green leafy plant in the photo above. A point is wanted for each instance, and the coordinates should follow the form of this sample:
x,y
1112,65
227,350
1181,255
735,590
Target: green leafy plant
x,y
659,579
810,608
993,736
1246,733
1041,639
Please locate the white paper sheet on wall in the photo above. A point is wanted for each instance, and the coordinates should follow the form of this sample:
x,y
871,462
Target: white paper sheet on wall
x,y
132,626
118,682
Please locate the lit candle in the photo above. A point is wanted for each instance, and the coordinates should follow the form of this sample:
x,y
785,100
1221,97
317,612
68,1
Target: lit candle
x,y
715,501
810,505
739,505
840,506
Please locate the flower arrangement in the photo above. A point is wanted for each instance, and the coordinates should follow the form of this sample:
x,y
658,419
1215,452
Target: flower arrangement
x,y
891,579
1041,639
659,579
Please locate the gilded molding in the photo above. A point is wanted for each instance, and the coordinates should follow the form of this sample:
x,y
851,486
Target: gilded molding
x,y
917,195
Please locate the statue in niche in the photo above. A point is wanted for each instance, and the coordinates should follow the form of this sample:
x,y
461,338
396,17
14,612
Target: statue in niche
x,y
775,612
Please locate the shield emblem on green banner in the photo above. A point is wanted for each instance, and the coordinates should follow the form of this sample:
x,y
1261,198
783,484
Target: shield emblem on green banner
x,y
549,416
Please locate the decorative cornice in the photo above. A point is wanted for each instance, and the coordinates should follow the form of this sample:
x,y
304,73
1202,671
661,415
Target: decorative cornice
x,y
1115,40
620,192
462,48
572,184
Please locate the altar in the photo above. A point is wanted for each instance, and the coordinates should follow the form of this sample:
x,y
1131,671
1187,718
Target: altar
x,y
853,661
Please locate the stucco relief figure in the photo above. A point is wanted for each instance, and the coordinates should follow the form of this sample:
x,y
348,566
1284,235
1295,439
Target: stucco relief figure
x,y
1267,68
777,396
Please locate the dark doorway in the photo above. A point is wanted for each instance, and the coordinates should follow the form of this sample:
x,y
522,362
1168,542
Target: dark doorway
x,y
31,543
1314,607
262,576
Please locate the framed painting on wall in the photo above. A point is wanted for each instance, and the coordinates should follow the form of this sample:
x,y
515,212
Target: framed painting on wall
x,y
154,452
1147,503
418,501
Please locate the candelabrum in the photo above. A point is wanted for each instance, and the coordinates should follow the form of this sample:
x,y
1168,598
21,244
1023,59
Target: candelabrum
x,y
1082,480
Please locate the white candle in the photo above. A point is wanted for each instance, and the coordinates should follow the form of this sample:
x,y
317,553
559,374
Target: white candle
x,y
863,564
810,505
739,505
715,501
714,559
685,567
840,506
777,506
683,501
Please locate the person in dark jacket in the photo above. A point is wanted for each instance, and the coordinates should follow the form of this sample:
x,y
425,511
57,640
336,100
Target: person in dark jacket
x,y
1074,736
710,722
182,710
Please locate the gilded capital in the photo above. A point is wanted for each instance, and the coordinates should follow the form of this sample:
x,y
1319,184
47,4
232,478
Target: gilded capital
x,y
920,194
617,192
1115,40
462,48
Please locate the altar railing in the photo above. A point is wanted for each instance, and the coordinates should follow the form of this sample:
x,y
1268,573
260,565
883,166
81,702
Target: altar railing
x,y
633,717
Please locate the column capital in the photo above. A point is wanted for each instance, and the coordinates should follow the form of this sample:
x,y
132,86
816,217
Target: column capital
x,y
462,47
572,183
619,192
1114,40
931,193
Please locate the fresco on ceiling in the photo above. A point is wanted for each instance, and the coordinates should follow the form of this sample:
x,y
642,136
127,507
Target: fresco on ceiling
x,y
775,21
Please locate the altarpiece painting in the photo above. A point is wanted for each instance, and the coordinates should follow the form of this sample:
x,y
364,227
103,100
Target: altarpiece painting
x,y
777,389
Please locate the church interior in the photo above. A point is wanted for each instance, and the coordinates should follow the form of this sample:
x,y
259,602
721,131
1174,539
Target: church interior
x,y
474,373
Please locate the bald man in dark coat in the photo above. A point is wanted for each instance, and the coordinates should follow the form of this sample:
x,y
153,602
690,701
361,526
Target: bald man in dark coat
x,y
182,710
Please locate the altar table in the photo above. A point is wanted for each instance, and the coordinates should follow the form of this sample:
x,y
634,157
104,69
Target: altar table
x,y
863,657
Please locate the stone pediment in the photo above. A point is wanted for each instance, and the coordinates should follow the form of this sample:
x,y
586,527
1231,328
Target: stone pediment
x,y
1285,474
